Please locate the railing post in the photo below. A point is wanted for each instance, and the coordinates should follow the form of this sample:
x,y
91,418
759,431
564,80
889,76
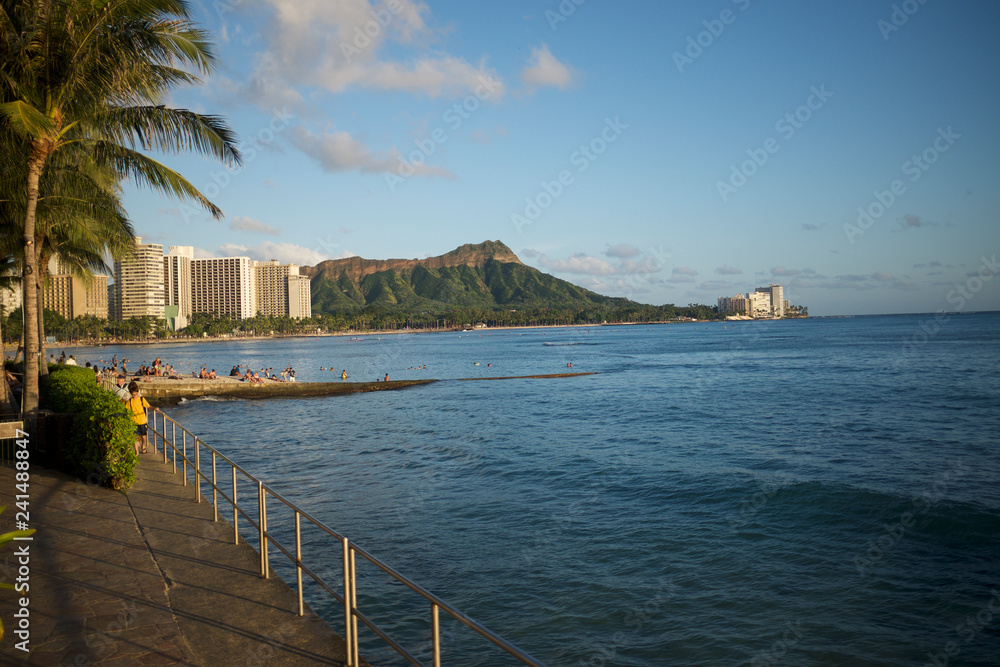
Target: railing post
x,y
265,567
298,560
184,458
215,489
163,425
348,613
197,471
354,605
435,635
173,439
236,512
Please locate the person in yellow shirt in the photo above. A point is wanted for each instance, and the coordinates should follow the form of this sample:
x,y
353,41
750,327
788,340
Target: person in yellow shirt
x,y
137,406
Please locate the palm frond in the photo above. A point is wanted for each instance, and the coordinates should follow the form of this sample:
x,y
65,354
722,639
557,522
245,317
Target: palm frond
x,y
170,130
26,120
144,170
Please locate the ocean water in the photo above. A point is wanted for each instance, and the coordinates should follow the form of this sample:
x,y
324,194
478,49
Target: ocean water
x,y
812,492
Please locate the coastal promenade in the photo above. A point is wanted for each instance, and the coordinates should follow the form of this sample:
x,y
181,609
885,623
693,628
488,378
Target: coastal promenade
x,y
146,578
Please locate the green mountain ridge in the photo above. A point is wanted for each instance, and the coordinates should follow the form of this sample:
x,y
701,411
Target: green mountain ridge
x,y
485,275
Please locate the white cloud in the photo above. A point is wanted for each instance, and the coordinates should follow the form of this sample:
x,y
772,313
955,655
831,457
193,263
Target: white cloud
x,y
544,70
286,253
339,151
579,263
622,250
584,264
340,45
726,270
201,253
240,223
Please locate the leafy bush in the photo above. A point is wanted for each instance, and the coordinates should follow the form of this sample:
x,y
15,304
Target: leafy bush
x,y
103,433
70,389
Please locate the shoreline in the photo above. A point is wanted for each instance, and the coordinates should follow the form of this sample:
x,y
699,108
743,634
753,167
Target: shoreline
x,y
349,334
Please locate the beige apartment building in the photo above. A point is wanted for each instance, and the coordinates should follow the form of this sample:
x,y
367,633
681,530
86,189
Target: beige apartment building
x,y
733,305
182,285
72,296
224,286
177,284
139,282
10,298
282,291
299,297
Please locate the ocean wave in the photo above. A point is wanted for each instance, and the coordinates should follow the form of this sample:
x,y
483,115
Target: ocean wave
x,y
566,344
210,399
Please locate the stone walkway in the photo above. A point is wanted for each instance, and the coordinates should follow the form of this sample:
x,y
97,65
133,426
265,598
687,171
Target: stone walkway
x,y
146,579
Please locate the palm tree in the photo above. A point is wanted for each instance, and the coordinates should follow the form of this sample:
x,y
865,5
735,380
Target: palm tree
x,y
91,75
79,219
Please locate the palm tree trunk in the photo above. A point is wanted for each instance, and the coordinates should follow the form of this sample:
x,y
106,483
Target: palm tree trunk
x,y
43,364
29,395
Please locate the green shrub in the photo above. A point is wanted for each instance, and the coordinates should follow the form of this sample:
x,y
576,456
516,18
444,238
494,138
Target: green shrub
x,y
69,389
102,445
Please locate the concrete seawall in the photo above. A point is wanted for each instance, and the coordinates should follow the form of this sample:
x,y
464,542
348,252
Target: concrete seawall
x,y
162,390
165,391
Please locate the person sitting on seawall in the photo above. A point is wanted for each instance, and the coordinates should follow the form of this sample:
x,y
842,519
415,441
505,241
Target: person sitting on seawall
x,y
235,372
211,375
137,406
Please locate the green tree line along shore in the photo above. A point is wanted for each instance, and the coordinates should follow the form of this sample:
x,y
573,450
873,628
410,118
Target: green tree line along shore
x,y
88,328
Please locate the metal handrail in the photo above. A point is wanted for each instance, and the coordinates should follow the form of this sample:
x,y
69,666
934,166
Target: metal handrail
x,y
349,596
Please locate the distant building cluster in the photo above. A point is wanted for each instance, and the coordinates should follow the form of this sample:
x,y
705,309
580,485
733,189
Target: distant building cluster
x,y
176,285
764,302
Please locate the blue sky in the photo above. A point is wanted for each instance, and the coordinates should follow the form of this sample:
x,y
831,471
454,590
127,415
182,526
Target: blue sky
x,y
669,152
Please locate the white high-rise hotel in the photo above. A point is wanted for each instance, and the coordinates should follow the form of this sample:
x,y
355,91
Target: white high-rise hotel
x,y
183,285
764,302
